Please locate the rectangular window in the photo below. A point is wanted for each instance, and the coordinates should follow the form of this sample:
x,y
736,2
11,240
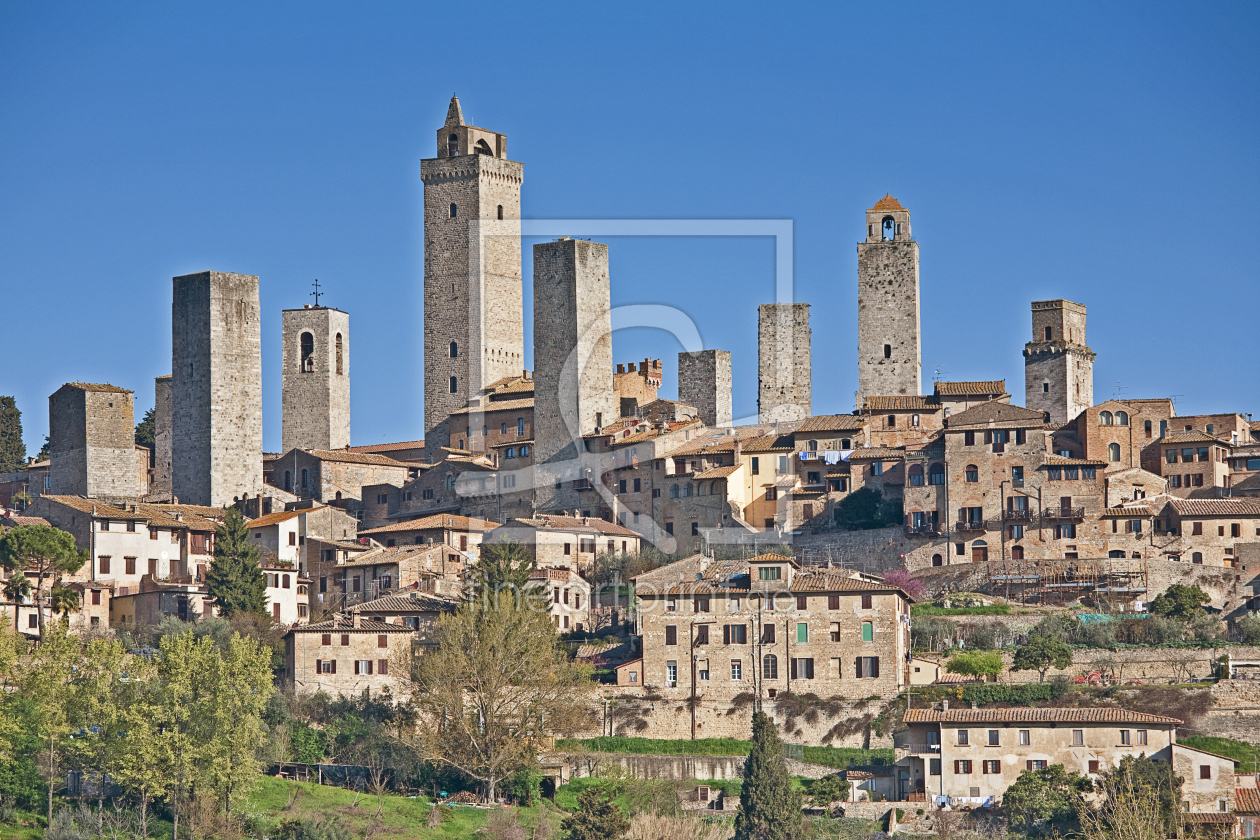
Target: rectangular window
x,y
802,633
934,767
767,634
1170,455
877,468
637,485
737,669
1078,737
702,634
866,667
833,602
803,669
1205,771
700,604
1124,737
1197,529
130,563
1093,766
671,674
868,631
802,602
756,466
363,666
1025,737
768,573
964,737
995,738
969,438
96,597
345,640
991,767
962,767
671,634
1034,764
1141,737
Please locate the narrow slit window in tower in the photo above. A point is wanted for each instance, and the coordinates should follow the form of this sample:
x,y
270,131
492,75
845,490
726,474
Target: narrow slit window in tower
x,y
308,353
454,384
887,351
1049,333
500,211
454,349
454,211
340,366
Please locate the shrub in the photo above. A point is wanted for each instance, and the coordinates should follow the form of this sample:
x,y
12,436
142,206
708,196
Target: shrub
x,y
866,509
934,633
1248,628
975,663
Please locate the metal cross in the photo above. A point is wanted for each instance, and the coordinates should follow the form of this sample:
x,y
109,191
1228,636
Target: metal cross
x,y
316,293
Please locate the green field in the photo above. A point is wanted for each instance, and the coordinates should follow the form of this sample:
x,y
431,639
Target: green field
x,y
918,610
828,756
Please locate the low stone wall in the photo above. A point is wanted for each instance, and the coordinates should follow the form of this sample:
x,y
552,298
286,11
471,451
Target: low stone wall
x,y
674,767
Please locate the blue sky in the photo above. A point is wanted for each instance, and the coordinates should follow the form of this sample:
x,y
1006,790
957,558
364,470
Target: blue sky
x,y
1102,153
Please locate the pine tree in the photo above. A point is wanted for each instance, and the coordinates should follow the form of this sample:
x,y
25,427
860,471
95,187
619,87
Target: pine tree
x,y
235,579
503,569
769,809
12,449
596,818
146,429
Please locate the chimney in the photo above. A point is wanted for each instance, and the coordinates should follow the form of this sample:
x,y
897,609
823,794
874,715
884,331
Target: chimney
x,y
356,619
973,705
944,705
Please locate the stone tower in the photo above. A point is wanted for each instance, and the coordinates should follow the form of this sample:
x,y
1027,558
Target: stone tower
x,y
216,388
315,346
704,380
1058,366
161,435
92,437
889,349
783,372
473,318
573,366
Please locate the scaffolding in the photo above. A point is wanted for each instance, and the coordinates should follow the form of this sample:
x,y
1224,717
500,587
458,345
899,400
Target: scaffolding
x,y
1057,582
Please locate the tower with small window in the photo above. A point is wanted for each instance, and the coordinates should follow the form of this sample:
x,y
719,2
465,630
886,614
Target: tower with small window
x,y
1058,366
315,381
784,367
889,346
473,317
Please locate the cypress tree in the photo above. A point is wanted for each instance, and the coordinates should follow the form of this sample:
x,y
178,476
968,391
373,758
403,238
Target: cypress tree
x,y
235,579
769,809
12,449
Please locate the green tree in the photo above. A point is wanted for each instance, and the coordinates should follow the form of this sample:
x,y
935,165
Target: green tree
x,y
975,663
9,652
1044,801
16,589
598,817
45,677
235,578
1141,801
866,509
829,789
146,429
242,685
500,683
63,600
1249,628
769,809
504,567
43,550
12,448
186,702
1040,653
1180,601
45,451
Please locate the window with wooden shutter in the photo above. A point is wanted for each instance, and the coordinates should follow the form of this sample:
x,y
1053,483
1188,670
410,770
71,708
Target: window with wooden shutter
x,y
726,634
802,603
382,641
1093,767
702,634
833,602
857,669
382,667
866,602
767,634
957,767
333,670
671,634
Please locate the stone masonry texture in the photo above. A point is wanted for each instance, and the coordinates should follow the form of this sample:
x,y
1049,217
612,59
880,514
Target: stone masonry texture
x,y
704,380
572,355
889,346
162,435
316,387
1058,366
92,436
473,311
216,388
783,374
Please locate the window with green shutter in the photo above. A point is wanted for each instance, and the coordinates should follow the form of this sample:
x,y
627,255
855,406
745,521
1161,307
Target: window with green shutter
x,y
802,633
868,631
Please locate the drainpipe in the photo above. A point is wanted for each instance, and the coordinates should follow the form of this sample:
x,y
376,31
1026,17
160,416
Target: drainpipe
x,y
692,650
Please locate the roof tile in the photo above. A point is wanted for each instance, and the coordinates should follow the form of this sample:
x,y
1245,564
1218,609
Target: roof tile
x,y
1031,715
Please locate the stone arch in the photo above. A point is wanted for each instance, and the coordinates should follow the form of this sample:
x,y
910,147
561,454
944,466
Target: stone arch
x,y
306,361
483,148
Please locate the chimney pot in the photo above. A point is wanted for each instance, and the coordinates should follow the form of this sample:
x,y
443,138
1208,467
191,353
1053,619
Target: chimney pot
x,y
357,620
944,705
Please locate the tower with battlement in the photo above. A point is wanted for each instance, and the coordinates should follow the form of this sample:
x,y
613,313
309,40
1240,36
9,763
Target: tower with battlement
x,y
473,318
704,380
783,371
216,388
1058,366
315,348
92,438
889,345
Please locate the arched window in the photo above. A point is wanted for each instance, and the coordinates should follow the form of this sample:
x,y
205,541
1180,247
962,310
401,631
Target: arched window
x,y
888,228
452,145
304,480
973,473
483,148
700,489
454,349
936,474
892,421
454,211
937,560
845,443
770,667
1017,552
340,356
500,212
288,481
673,491
307,362
1113,453
1122,418
338,495
813,446
687,490
1197,557
1104,418
454,384
887,351
916,475
450,482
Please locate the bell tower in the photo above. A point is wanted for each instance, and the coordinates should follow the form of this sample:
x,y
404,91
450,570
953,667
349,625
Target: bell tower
x,y
889,348
473,319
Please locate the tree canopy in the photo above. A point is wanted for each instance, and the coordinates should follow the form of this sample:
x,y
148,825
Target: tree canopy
x,y
235,579
12,447
45,551
1180,601
975,663
146,429
769,808
502,567
1040,653
598,817
865,509
1044,801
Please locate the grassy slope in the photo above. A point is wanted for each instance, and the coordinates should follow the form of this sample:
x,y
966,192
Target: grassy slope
x,y
829,756
1248,754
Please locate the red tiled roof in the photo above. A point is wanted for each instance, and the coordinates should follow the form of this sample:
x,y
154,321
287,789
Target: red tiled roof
x,y
345,624
497,405
831,423
1192,436
441,520
966,389
345,456
878,453
91,386
389,447
274,518
1216,507
911,403
716,472
1247,799
573,523
888,203
1095,715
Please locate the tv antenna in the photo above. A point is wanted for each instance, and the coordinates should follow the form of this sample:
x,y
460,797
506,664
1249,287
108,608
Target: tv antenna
x,y
317,292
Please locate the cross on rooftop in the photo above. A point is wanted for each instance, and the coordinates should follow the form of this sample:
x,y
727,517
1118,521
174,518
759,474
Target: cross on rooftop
x,y
316,293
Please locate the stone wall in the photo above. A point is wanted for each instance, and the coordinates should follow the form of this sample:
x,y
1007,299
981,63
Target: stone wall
x,y
889,352
784,390
162,435
92,440
704,380
677,767
216,388
1061,361
315,396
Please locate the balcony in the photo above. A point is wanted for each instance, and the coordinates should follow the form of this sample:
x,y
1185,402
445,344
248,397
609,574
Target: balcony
x,y
1016,515
970,525
581,484
900,751
928,530
1064,513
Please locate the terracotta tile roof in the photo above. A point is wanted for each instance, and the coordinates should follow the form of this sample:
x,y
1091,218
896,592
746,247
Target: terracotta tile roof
x,y
19,519
878,453
102,510
839,582
947,678
1134,510
718,441
1192,436
274,518
996,412
163,516
968,389
716,472
911,403
888,203
398,553
513,385
1060,461
408,602
345,624
389,447
770,443
91,386
1216,507
1247,800
1025,715
344,456
831,423
496,405
441,520
573,523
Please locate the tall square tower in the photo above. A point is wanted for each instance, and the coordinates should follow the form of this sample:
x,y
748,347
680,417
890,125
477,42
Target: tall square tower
x,y
1058,366
889,352
216,388
161,435
473,317
783,372
92,437
704,380
573,366
315,345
